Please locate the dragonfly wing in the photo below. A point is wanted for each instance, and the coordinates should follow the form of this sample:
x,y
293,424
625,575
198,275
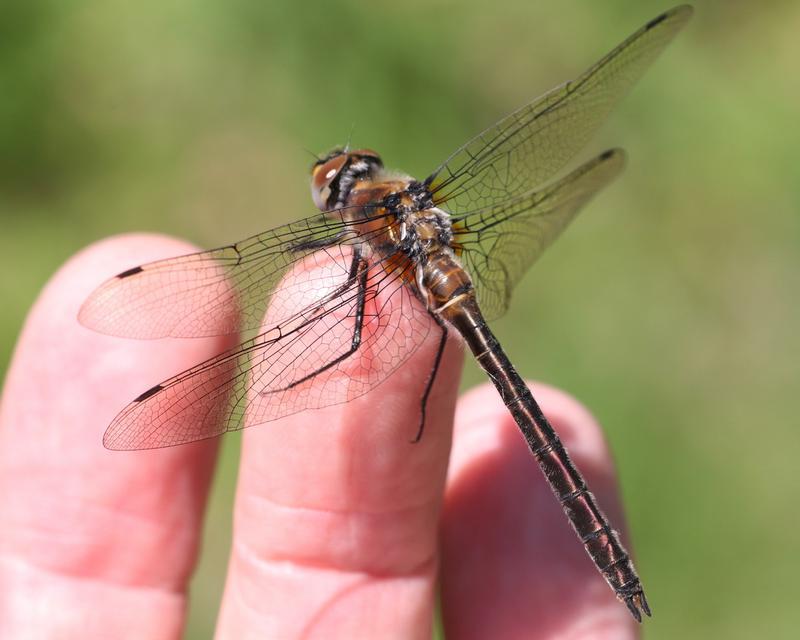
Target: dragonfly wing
x,y
528,147
500,243
305,361
192,295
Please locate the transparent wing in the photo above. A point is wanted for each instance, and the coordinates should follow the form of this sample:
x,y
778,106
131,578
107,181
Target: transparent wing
x,y
500,243
192,295
305,361
531,145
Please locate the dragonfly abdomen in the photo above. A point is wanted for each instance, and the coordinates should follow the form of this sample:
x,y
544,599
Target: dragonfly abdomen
x,y
444,282
601,542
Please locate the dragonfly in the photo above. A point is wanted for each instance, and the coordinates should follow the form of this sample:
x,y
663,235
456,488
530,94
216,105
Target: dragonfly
x,y
339,300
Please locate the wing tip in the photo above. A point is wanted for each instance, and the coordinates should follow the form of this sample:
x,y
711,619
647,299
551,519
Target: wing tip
x,y
93,314
111,439
121,438
83,315
685,10
114,441
89,316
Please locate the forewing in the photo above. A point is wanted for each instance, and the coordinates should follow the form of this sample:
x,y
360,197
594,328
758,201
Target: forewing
x,y
305,361
193,295
531,145
500,243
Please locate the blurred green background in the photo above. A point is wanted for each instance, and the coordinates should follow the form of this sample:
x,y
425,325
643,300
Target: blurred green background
x,y
670,307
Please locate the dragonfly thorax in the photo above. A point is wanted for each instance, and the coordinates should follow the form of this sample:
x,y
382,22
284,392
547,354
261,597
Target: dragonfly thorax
x,y
423,233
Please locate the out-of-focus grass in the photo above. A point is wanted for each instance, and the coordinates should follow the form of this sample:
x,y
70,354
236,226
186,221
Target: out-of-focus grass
x,y
670,308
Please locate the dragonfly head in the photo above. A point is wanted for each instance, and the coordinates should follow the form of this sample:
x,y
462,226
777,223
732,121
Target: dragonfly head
x,y
333,175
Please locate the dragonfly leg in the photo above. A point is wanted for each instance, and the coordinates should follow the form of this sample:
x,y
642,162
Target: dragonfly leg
x,y
352,275
432,377
358,273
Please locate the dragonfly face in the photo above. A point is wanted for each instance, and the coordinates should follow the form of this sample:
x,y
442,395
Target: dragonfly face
x,y
334,176
446,252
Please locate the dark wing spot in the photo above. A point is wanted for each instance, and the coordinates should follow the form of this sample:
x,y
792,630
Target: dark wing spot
x,y
655,21
130,272
148,393
606,154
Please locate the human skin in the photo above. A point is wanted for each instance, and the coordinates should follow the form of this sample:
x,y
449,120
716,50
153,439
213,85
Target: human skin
x,y
342,527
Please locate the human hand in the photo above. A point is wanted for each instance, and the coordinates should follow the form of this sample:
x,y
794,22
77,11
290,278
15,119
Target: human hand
x,y
342,527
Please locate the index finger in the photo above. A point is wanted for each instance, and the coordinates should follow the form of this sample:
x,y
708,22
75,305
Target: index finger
x,y
336,512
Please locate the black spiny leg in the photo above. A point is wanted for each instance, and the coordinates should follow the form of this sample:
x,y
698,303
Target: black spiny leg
x,y
355,265
432,377
358,271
